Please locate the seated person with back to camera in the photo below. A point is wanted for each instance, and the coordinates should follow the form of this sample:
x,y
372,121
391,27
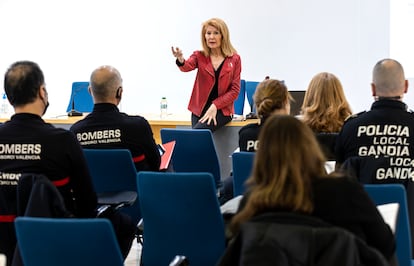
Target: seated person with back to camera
x,y
271,97
325,109
108,128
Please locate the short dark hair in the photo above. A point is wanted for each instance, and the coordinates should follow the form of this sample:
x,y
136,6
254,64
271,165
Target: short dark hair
x,y
22,82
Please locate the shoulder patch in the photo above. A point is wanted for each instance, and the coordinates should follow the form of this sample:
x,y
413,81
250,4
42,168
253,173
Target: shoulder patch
x,y
354,115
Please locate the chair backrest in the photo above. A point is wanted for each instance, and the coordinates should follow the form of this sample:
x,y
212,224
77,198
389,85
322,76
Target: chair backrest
x,y
181,216
113,170
67,241
250,89
388,193
242,168
239,103
194,151
80,98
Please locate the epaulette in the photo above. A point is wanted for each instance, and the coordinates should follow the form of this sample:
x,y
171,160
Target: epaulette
x,y
354,115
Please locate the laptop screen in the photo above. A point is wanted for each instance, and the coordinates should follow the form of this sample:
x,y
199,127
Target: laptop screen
x,y
297,104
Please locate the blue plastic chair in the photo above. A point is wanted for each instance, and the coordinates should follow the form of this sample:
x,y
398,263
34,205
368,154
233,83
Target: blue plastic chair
x,y
389,193
250,89
242,168
67,242
181,216
80,98
239,103
194,151
113,170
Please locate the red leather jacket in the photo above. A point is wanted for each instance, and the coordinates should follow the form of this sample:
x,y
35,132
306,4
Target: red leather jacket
x,y
228,83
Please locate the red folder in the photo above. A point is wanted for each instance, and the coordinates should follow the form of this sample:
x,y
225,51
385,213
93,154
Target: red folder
x,y
166,157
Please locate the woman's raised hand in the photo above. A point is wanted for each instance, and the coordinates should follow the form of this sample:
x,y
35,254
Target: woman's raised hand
x,y
177,53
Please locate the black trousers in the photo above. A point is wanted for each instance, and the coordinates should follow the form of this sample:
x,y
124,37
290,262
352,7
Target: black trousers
x,y
125,230
220,118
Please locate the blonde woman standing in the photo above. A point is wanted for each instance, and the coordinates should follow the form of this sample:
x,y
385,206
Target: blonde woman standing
x,y
217,82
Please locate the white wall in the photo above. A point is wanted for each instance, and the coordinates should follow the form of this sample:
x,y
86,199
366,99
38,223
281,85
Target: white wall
x,y
285,39
401,39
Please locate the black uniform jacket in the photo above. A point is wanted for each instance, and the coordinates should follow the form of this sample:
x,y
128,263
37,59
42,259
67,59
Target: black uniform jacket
x,y
29,145
292,239
107,128
386,130
248,136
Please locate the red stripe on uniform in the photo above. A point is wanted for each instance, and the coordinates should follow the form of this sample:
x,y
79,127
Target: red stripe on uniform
x,y
138,158
61,182
7,218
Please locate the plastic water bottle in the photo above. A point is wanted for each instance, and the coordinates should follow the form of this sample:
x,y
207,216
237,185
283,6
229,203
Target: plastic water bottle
x,y
4,106
163,107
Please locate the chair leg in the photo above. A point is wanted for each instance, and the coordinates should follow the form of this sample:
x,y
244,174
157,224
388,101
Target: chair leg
x,y
140,232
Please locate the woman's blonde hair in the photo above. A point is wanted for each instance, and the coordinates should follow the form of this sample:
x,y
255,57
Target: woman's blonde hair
x,y
270,95
287,160
325,107
227,48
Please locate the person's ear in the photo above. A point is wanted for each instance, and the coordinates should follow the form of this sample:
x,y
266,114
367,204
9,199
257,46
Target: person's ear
x,y
43,92
406,86
119,93
373,90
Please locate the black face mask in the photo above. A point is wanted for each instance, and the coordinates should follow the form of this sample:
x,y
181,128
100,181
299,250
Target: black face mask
x,y
46,106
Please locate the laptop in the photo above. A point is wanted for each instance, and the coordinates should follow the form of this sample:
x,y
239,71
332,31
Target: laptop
x,y
296,105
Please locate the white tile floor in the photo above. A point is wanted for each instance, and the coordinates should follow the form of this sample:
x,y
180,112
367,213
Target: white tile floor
x,y
134,255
